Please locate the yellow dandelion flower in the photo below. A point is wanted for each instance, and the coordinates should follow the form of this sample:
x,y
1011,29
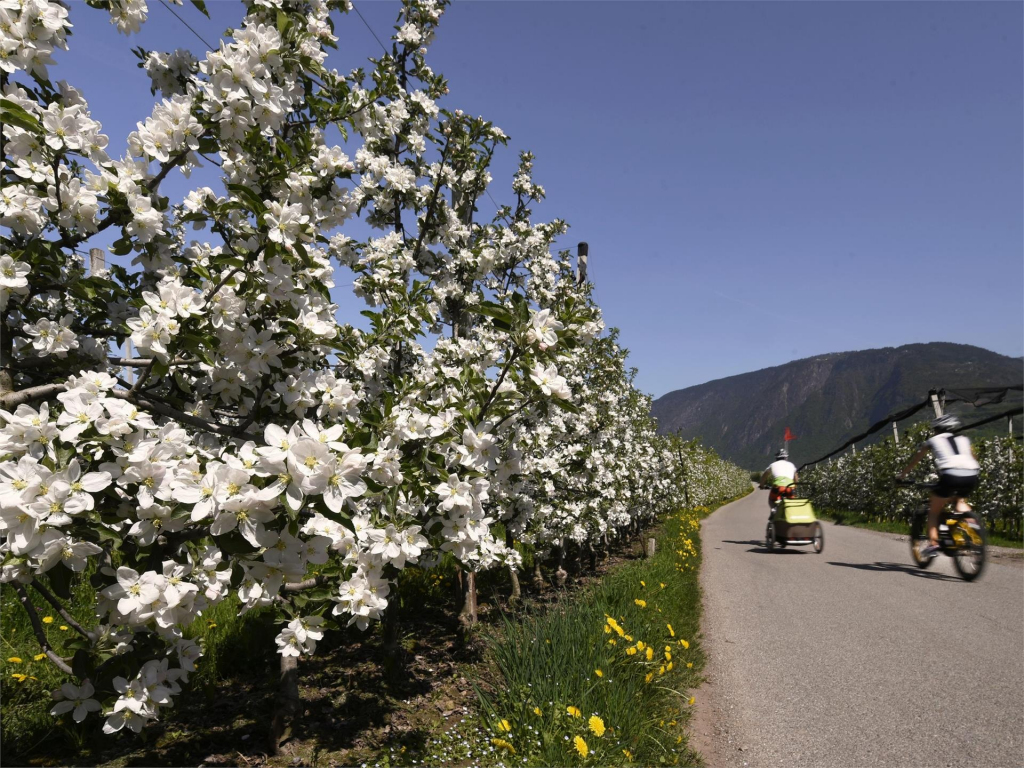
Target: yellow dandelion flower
x,y
631,651
14,660
689,665
671,632
47,619
643,583
684,644
581,746
39,657
692,699
661,670
669,666
650,653
63,627
628,754
20,677
504,726
502,744
641,603
613,641
599,673
607,629
650,676
574,711
628,638
662,584
596,726
640,645
537,712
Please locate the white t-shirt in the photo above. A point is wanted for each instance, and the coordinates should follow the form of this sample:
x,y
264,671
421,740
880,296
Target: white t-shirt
x,y
953,455
782,469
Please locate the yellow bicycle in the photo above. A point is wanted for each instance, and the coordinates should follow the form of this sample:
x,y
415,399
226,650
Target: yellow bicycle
x,y
961,537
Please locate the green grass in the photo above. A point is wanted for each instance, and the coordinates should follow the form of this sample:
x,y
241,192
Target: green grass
x,y
995,538
232,645
549,662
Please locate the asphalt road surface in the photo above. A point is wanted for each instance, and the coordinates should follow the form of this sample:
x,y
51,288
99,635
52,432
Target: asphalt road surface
x,y
854,657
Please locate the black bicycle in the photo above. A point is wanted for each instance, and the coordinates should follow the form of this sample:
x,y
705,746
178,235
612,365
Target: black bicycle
x,y
961,537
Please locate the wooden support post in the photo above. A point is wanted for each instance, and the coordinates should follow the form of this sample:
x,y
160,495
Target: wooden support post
x,y
582,254
652,546
936,403
97,261
895,433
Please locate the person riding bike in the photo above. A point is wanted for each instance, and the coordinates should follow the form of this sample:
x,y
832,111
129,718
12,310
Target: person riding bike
x,y
780,477
958,474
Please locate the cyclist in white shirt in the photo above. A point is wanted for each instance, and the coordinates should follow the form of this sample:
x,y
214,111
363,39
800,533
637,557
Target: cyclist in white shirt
x,y
958,474
780,476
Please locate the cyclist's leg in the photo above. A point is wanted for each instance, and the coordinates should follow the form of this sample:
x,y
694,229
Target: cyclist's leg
x,y
962,505
935,506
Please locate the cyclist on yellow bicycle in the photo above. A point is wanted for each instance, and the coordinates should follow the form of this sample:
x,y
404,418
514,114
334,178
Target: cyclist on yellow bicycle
x,y
958,474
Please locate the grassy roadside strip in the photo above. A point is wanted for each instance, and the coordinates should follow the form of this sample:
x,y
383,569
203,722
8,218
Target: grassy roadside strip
x,y
602,678
842,517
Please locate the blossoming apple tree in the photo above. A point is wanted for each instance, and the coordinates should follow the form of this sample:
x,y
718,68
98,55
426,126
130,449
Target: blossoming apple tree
x,y
254,445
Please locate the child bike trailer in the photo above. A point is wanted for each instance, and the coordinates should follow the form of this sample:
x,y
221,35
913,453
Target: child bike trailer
x,y
794,523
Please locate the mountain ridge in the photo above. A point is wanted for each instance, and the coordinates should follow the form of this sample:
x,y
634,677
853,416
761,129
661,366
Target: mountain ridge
x,y
824,398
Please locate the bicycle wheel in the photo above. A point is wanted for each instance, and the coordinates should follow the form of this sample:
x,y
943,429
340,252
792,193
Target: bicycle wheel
x,y
970,539
819,538
769,537
919,539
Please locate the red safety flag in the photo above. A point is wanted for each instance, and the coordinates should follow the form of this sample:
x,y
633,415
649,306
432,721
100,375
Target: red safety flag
x,y
789,435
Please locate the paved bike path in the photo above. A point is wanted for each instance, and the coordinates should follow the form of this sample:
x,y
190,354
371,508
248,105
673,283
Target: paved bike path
x,y
854,657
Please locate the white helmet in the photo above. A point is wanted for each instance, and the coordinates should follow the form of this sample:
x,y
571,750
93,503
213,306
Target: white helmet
x,y
782,454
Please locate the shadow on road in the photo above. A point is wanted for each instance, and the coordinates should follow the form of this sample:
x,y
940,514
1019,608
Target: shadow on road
x,y
761,549
910,570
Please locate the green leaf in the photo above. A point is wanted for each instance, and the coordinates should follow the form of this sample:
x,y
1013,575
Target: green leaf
x,y
81,664
490,309
60,581
201,7
248,196
12,114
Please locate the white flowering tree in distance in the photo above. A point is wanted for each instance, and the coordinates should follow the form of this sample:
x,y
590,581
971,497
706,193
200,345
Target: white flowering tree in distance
x,y
259,447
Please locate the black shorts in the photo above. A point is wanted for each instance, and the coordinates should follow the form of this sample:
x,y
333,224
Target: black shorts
x,y
950,486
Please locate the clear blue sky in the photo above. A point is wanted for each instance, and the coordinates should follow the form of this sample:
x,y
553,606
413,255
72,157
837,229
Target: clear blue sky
x,y
758,182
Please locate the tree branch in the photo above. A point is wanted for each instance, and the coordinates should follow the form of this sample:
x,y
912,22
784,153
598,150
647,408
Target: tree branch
x,y
37,628
91,636
14,399
185,418
300,586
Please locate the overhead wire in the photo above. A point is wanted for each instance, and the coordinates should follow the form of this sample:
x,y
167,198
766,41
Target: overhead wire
x,y
209,46
360,15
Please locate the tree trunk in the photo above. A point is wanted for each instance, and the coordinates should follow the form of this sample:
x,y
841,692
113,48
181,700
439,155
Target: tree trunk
x,y
538,574
592,555
560,574
467,616
394,656
286,704
513,576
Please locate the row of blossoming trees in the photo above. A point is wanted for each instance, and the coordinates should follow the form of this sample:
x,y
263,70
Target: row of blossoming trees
x,y
863,482
253,445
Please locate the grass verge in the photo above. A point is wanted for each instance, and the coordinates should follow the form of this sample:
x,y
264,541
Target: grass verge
x,y
602,677
841,517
